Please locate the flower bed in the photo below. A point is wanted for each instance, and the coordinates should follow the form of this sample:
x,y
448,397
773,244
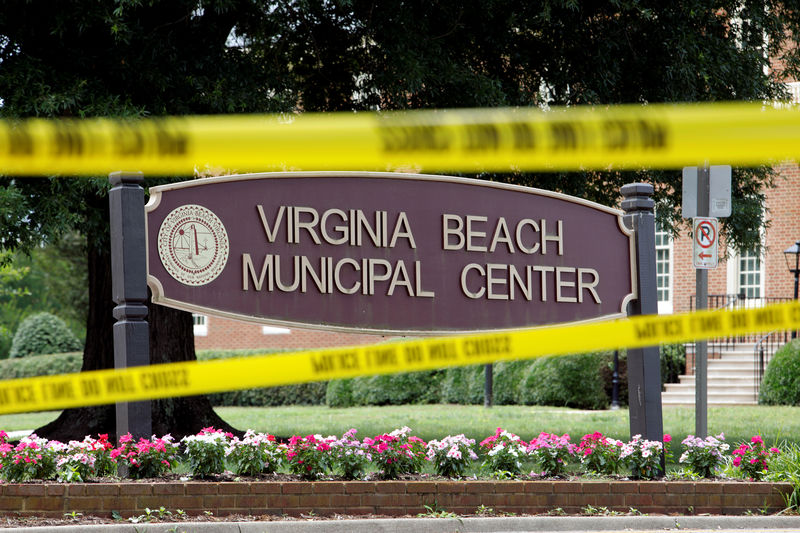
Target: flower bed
x,y
257,475
503,455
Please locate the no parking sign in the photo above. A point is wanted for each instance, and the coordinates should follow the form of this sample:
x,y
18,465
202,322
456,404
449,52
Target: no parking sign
x,y
705,250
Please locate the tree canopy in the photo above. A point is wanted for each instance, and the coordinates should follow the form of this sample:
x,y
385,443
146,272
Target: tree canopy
x,y
128,57
148,58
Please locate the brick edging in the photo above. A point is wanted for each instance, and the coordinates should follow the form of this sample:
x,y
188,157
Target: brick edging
x,y
393,498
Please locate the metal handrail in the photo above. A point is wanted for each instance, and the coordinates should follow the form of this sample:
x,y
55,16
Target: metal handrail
x,y
765,346
758,360
726,301
730,301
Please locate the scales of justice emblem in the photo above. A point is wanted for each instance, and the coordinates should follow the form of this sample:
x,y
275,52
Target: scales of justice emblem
x,y
193,245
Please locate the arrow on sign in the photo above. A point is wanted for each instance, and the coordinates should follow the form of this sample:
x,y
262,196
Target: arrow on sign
x,y
701,255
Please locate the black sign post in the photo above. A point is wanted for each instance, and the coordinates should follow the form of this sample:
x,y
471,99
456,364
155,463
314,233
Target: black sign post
x,y
129,291
644,364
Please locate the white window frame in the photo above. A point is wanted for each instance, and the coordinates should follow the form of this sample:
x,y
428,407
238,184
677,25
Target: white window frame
x,y
665,307
273,330
200,325
734,272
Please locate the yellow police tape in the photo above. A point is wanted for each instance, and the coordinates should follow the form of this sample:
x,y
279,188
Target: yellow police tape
x,y
663,136
191,378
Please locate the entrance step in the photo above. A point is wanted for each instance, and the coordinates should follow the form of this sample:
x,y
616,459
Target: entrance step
x,y
730,379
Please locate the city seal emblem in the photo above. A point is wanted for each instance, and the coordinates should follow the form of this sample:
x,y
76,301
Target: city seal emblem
x,y
193,245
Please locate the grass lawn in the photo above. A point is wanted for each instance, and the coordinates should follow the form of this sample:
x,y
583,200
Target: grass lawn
x,y
21,421
775,424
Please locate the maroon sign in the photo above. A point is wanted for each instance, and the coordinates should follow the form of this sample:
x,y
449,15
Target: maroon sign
x,y
385,252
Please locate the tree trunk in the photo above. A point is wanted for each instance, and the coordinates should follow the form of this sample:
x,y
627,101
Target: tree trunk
x,y
171,340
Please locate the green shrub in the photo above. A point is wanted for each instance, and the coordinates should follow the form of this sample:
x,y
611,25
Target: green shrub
x,y
463,385
507,377
339,393
43,333
607,375
673,362
390,389
208,355
398,389
6,338
564,381
781,384
299,394
43,365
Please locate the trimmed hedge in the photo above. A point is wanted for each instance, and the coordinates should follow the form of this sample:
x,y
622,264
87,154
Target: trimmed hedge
x,y
390,389
566,381
582,381
43,333
781,384
463,385
301,394
42,365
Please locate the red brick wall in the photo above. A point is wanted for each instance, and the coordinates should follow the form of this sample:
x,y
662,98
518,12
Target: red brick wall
x,y
233,334
784,215
395,498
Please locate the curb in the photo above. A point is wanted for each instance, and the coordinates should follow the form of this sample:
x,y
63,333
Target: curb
x,y
447,525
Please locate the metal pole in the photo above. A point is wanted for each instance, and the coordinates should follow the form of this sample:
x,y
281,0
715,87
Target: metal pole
x,y
129,291
488,385
644,365
701,347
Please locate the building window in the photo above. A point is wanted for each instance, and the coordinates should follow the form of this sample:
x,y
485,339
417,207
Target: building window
x,y
272,330
200,325
664,270
746,277
750,274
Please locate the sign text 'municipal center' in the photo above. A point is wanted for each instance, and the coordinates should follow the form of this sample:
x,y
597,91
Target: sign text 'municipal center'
x,y
476,235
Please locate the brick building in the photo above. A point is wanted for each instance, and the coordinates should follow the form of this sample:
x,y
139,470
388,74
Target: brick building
x,y
212,332
759,278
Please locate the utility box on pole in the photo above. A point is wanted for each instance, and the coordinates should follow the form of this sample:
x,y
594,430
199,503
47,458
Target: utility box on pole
x,y
719,192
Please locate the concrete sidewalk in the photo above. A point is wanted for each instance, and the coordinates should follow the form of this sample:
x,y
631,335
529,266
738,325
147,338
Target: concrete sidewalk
x,y
545,524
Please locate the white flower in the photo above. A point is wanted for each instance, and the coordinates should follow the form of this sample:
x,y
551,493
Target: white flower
x,y
454,453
